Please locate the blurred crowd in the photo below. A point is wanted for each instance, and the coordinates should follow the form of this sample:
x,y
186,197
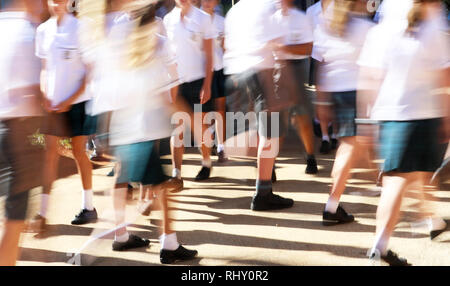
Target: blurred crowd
x,y
112,79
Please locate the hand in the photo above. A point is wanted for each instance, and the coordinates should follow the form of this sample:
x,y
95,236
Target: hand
x,y
205,94
62,107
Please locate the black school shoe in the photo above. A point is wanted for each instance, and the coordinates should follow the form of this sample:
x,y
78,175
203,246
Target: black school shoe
x,y
181,253
311,165
85,216
339,217
334,144
392,259
203,174
274,176
270,202
133,241
325,148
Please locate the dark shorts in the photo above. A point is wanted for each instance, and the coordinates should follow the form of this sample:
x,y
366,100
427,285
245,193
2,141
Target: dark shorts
x,y
345,110
21,159
72,123
140,163
248,94
410,146
300,70
190,92
218,84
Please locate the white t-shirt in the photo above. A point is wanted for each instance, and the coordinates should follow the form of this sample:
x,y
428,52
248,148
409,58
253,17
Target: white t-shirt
x,y
249,28
186,41
65,70
315,17
219,26
297,30
137,97
339,55
411,66
19,67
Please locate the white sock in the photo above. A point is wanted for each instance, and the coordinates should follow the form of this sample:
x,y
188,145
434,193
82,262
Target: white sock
x,y
176,173
122,238
87,200
332,205
333,136
380,244
207,163
220,148
169,241
44,205
436,223
325,138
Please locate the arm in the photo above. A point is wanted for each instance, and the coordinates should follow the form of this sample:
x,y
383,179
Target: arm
x,y
46,104
301,49
205,95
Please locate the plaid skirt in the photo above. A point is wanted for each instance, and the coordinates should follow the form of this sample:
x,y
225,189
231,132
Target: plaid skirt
x,y
345,109
411,146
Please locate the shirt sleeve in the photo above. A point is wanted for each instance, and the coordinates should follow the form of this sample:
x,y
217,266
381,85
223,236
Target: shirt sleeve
x,y
39,43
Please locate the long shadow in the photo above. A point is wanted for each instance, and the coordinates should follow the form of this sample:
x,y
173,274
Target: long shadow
x,y
253,220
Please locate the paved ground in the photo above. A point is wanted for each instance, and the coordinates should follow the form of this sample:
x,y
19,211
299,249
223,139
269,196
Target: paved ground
x,y
214,218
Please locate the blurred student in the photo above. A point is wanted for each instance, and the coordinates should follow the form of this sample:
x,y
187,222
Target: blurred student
x,y
218,83
408,57
20,117
339,40
191,35
63,82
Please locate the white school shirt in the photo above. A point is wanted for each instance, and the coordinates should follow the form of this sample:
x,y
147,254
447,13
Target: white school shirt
x,y
315,17
219,29
249,28
339,55
186,41
19,67
65,70
297,30
411,66
137,97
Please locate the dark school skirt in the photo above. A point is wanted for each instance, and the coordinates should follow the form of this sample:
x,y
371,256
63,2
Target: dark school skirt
x,y
190,92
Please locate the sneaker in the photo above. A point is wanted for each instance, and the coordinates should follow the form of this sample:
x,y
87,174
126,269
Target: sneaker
x,y
221,157
392,259
203,174
311,165
339,217
274,176
334,144
270,202
133,241
181,253
85,216
325,147
37,224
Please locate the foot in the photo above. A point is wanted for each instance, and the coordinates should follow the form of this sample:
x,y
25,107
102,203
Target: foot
x,y
181,253
311,165
325,147
37,224
132,242
221,157
392,259
173,185
339,217
85,216
270,202
334,144
274,176
203,174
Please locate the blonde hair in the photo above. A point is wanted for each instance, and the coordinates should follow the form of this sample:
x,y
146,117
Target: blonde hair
x,y
341,16
141,42
415,16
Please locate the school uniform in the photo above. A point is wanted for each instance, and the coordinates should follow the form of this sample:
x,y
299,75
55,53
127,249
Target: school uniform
x,y
407,107
65,71
186,43
250,63
20,113
315,16
339,73
297,30
218,83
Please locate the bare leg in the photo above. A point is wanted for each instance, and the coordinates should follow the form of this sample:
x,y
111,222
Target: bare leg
x,y
82,160
51,163
305,132
119,201
9,245
221,128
